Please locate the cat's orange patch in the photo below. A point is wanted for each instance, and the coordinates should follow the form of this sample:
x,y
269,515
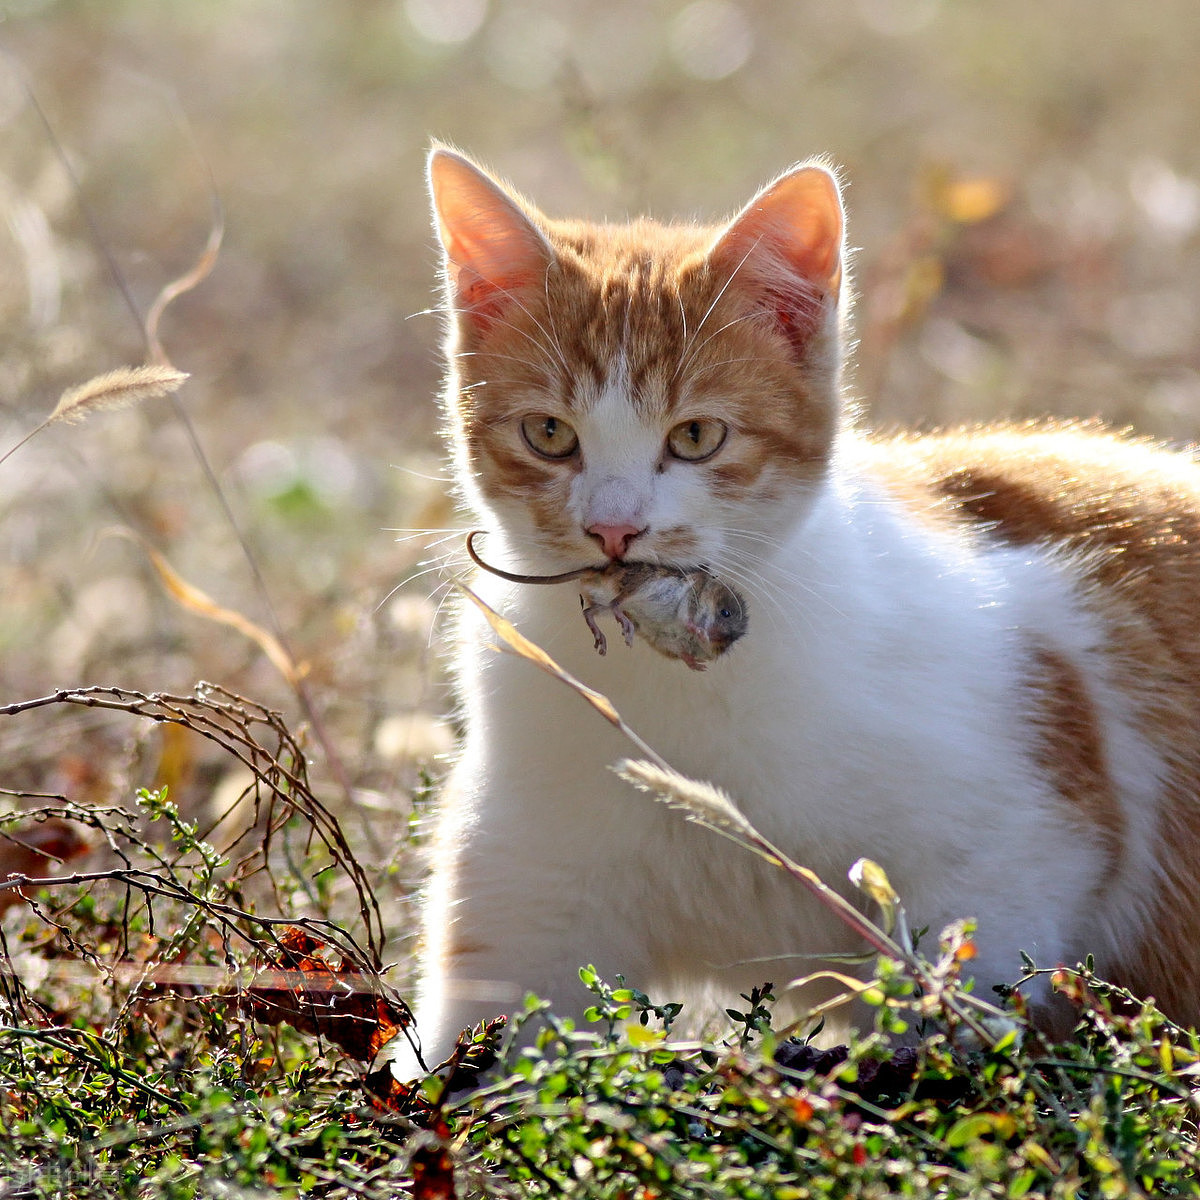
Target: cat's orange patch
x,y
1166,964
1070,751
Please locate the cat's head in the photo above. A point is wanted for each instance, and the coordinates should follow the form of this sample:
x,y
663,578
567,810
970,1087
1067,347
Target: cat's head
x,y
667,393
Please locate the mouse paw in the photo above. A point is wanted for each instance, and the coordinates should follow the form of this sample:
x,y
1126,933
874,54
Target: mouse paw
x,y
589,615
627,626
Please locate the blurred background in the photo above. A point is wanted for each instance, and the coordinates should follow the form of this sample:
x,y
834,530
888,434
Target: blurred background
x,y
1024,188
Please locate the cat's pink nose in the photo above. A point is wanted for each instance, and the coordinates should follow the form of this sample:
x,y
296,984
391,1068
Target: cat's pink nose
x,y
614,538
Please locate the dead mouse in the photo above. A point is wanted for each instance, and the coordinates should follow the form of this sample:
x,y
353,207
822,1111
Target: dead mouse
x,y
683,613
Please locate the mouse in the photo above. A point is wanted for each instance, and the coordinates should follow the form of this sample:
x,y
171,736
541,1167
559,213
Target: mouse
x,y
684,613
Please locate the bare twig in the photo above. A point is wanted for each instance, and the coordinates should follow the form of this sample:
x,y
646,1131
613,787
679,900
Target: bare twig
x,y
281,785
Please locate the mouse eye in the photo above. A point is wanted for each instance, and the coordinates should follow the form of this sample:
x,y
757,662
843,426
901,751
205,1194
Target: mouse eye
x,y
725,614
696,440
549,437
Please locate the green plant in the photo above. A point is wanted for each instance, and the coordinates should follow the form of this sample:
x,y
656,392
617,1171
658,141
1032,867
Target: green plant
x,y
594,1112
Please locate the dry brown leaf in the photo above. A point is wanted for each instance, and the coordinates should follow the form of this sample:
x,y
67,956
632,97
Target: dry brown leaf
x,y
326,999
433,1168
33,850
971,201
191,597
176,758
519,644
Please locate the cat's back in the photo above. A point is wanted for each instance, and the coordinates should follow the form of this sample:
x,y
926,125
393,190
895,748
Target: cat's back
x,y
1122,516
1078,484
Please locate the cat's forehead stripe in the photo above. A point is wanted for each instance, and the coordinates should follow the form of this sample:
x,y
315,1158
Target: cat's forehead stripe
x,y
625,305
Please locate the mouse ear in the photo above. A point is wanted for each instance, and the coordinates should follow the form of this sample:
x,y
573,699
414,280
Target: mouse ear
x,y
786,247
492,247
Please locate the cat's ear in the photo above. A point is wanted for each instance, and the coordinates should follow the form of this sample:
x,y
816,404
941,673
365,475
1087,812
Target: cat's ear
x,y
786,248
492,248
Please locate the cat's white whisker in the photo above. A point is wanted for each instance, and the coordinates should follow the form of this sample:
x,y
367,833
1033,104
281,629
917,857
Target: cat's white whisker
x,y
700,372
548,347
519,360
426,568
688,353
407,582
553,334
786,576
444,593
767,596
414,474
550,344
716,333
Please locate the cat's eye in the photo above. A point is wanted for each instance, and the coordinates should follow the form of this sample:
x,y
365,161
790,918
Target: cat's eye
x,y
696,439
551,437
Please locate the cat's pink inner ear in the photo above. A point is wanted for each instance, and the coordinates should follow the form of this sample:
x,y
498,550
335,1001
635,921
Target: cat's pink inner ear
x,y
492,248
786,245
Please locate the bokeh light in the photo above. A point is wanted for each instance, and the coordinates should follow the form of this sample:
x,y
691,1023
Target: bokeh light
x,y
446,22
711,39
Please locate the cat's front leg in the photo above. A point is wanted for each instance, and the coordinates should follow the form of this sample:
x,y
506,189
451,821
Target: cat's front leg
x,y
505,918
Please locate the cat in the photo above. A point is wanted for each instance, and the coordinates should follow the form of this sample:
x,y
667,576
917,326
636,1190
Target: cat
x,y
973,656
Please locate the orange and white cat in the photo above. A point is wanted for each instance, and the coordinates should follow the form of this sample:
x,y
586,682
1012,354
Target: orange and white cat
x,y
973,657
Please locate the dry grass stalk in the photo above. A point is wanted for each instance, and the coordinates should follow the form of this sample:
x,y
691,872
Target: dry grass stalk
x,y
707,805
121,388
701,802
517,643
188,596
274,644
